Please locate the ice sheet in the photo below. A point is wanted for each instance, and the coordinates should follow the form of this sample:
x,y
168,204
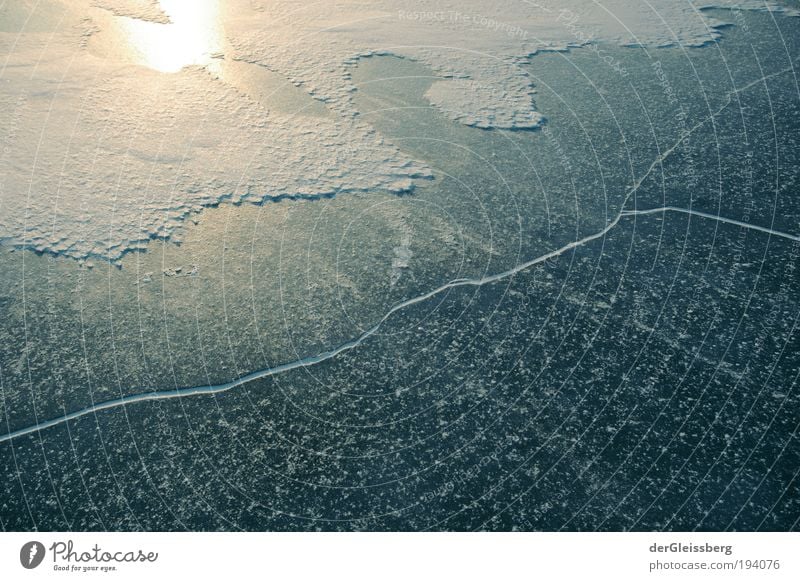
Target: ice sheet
x,y
102,152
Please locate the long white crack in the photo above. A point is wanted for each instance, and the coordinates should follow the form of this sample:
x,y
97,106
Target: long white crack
x,y
700,214
326,355
461,282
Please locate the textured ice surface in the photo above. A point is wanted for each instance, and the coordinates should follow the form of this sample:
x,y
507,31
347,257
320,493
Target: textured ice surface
x,y
115,163
101,153
141,9
477,46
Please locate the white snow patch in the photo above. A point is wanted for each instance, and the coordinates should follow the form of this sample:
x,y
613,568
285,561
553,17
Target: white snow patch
x,y
149,10
99,154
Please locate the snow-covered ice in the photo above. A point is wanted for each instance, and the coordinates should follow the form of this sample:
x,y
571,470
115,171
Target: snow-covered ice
x,y
104,149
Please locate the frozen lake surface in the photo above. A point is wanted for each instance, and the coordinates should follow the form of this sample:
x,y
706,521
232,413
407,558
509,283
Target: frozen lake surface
x,y
399,265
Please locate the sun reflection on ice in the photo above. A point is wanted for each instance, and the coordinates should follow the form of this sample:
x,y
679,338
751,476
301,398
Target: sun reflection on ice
x,y
193,37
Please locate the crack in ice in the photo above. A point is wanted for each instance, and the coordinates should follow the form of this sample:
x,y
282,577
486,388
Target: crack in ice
x,y
326,355
457,283
717,217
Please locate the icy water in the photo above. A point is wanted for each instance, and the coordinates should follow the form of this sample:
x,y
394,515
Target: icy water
x,y
588,326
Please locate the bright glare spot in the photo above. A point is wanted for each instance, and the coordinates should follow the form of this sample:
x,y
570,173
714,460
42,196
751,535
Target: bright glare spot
x,y
193,37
